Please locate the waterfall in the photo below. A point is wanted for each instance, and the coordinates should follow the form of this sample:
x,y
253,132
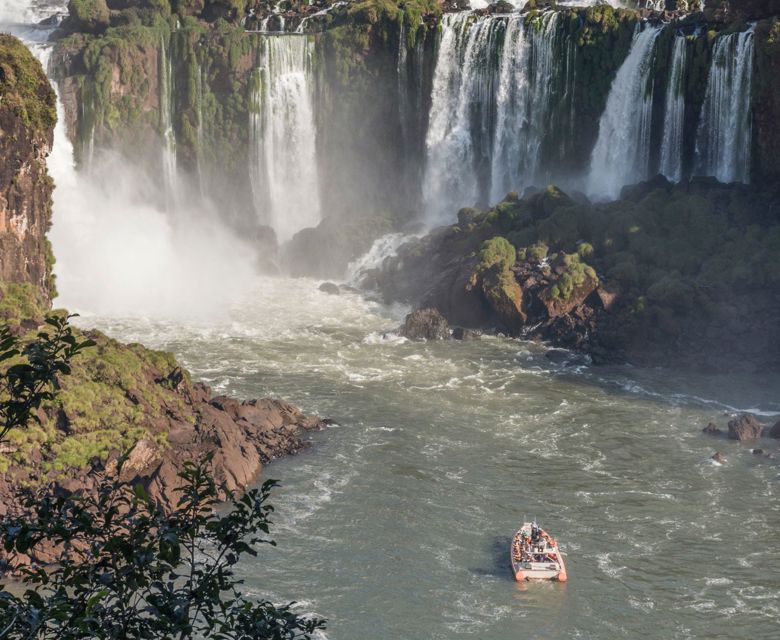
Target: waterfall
x,y
724,135
284,174
526,75
199,133
501,95
402,75
622,152
166,127
674,114
457,132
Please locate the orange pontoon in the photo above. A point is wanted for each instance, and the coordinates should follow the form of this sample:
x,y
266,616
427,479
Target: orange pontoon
x,y
535,555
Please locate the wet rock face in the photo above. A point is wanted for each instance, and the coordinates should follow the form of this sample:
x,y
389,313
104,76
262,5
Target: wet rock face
x,y
425,324
27,117
745,427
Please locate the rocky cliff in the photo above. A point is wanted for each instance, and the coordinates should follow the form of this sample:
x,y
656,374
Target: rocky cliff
x,y
27,117
117,397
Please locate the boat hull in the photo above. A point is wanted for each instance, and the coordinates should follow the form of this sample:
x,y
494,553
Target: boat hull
x,y
550,564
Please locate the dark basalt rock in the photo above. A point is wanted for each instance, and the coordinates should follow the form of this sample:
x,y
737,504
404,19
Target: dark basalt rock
x,y
330,288
467,335
745,427
774,432
718,457
425,324
712,429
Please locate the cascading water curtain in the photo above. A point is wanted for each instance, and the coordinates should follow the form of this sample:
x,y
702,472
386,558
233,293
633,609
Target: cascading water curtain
x,y
674,114
458,130
284,176
492,111
622,152
725,129
526,79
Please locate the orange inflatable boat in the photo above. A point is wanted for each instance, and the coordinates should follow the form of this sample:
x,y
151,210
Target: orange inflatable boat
x,y
535,555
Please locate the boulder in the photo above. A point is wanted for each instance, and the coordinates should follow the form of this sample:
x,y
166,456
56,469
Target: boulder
x,y
718,457
425,324
459,333
774,432
745,427
712,429
505,297
330,288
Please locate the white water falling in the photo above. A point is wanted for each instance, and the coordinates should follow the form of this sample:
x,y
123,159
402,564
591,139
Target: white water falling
x,y
674,114
622,152
200,134
526,73
119,252
383,248
284,174
166,126
724,134
461,88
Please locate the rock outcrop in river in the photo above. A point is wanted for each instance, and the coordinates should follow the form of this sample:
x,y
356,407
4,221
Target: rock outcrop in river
x,y
680,275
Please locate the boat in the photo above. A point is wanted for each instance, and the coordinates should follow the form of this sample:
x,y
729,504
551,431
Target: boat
x,y
535,555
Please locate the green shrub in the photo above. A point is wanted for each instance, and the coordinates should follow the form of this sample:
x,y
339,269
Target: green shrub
x,y
496,251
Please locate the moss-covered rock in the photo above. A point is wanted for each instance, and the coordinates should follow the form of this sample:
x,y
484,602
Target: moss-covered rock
x,y
27,119
657,276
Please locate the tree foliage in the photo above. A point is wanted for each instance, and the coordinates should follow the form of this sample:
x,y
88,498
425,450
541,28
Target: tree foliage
x,y
31,377
122,565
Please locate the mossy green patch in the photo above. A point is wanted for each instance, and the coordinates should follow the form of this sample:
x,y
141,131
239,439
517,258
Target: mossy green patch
x,y
24,87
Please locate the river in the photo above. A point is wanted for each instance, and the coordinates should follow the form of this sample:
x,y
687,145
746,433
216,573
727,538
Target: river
x,y
396,522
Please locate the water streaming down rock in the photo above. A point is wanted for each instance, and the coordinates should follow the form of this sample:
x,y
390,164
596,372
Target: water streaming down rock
x,y
501,99
284,173
166,127
674,114
724,135
199,79
523,110
622,152
458,139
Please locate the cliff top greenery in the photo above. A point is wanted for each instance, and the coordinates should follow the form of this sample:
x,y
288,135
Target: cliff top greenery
x,y
24,87
110,399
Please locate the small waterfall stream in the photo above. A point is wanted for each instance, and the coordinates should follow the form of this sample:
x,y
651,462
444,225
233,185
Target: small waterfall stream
x,y
622,152
674,114
724,134
166,127
284,173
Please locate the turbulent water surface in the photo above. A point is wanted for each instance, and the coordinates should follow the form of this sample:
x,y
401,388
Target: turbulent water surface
x,y
396,523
